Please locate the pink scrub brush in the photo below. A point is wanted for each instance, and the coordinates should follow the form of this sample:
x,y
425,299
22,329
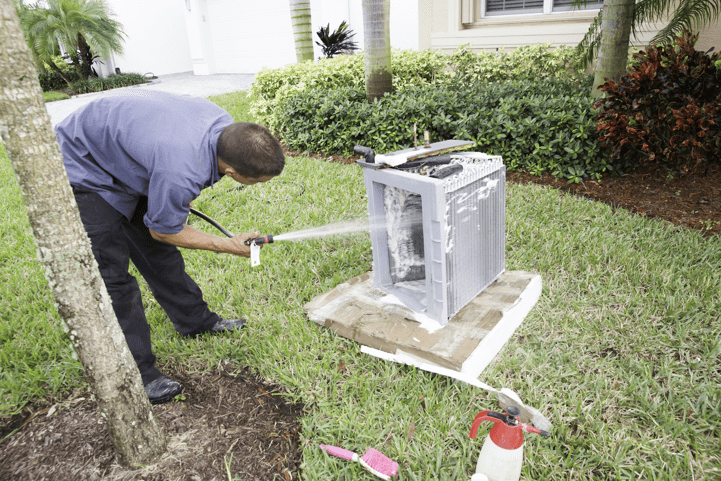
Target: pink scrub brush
x,y
372,460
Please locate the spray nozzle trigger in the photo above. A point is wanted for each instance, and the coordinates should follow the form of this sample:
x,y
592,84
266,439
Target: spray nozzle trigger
x,y
509,419
260,240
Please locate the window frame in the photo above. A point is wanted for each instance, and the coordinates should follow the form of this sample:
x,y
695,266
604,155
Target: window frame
x,y
474,11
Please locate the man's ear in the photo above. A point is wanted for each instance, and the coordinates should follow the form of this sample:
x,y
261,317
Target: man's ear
x,y
224,168
231,172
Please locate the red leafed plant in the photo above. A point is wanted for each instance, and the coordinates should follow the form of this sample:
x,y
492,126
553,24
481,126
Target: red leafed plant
x,y
666,111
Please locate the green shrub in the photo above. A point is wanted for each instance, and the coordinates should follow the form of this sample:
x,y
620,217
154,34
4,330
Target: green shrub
x,y
410,70
528,62
271,86
543,126
53,81
111,82
666,111
60,63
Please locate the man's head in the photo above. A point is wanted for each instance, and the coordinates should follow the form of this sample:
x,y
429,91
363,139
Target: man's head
x,y
251,151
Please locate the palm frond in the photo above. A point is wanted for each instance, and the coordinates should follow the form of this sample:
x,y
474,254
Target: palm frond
x,y
690,15
587,49
686,15
65,21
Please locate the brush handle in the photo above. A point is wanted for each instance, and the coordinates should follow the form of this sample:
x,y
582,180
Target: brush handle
x,y
339,452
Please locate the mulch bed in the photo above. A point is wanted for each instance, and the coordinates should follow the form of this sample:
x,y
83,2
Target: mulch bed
x,y
692,201
230,421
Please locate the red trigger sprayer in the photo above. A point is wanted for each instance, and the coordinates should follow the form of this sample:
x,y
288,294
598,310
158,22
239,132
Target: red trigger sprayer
x,y
268,239
502,452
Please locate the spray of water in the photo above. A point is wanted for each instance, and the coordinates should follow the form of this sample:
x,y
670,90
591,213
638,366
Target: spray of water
x,y
346,227
338,228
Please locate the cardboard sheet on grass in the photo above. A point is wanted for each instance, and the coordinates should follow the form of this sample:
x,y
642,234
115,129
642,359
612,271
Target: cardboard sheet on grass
x,y
358,310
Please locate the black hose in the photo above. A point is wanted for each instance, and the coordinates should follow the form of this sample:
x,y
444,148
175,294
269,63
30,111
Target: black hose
x,y
211,221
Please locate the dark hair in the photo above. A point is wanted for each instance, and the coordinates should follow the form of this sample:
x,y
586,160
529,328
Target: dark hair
x,y
251,150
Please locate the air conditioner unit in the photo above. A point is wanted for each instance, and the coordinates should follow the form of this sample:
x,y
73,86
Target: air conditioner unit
x,y
437,242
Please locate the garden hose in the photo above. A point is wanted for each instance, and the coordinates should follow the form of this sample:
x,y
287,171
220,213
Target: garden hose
x,y
211,222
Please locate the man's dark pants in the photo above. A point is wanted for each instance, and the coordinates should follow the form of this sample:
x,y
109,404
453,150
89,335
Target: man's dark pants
x,y
114,241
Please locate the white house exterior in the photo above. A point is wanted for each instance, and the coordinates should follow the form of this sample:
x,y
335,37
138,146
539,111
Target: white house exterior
x,y
497,24
235,36
243,36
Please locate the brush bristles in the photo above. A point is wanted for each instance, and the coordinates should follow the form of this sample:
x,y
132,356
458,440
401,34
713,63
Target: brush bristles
x,y
380,463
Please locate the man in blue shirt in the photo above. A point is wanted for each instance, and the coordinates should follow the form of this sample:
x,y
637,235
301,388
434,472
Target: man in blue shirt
x,y
135,162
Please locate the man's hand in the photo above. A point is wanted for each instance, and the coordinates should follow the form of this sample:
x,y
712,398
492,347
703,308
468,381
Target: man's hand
x,y
238,246
192,238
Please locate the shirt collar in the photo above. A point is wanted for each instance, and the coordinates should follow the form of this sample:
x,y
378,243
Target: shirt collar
x,y
215,175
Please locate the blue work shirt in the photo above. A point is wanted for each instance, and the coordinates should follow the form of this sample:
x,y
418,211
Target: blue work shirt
x,y
144,143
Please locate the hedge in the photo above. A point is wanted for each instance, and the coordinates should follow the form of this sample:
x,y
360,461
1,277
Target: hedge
x,y
411,69
111,82
543,125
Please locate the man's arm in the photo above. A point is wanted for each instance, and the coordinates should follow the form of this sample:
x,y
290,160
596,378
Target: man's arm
x,y
194,239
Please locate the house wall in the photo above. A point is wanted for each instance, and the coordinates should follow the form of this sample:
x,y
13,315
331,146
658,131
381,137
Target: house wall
x,y
157,40
241,36
710,37
447,31
247,35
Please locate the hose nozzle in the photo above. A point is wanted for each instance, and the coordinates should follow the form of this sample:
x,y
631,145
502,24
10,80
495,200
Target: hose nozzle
x,y
260,240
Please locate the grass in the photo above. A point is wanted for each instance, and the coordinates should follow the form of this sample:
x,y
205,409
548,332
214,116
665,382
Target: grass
x,y
622,352
54,95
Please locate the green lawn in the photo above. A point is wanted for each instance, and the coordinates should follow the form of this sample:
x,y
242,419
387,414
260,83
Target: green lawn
x,y
622,352
53,95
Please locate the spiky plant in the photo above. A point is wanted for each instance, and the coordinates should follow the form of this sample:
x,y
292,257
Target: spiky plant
x,y
337,43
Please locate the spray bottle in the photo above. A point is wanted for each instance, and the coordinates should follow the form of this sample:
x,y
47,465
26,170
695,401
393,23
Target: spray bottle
x,y
501,456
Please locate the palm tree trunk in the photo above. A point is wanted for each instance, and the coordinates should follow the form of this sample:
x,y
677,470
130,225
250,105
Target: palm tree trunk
x,y
615,38
64,248
86,57
302,29
377,48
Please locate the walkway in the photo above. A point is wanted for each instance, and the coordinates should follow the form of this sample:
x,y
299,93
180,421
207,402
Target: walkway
x,y
180,83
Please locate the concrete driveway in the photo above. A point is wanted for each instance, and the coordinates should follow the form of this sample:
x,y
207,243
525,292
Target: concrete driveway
x,y
180,84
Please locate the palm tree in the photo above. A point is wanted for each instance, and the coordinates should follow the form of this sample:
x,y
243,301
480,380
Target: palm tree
x,y
302,29
82,27
65,251
681,14
613,50
377,48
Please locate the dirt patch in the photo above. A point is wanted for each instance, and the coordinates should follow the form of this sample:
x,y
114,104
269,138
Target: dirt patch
x,y
230,422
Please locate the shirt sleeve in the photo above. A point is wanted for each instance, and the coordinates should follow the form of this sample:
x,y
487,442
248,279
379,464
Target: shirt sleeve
x,y
169,198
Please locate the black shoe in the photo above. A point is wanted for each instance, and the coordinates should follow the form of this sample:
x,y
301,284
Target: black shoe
x,y
227,325
162,390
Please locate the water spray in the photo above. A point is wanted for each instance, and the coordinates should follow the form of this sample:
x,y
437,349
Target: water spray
x,y
339,228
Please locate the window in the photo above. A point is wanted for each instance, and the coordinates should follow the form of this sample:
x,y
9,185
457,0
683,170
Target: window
x,y
509,7
567,6
474,10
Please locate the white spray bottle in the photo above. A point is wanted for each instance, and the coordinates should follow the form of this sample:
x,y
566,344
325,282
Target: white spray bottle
x,y
501,456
